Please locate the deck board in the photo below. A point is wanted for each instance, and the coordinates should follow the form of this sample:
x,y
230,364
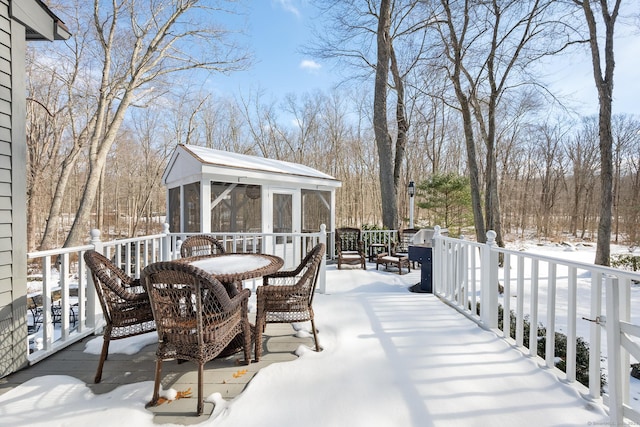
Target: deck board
x,y
280,344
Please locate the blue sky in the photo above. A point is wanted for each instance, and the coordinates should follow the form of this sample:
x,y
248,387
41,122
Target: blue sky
x,y
276,30
572,75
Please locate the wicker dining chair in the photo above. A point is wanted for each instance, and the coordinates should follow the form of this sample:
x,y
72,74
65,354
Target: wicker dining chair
x,y
125,303
350,247
201,244
287,297
195,317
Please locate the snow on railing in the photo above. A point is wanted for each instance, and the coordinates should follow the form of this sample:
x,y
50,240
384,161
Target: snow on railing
x,y
547,295
62,303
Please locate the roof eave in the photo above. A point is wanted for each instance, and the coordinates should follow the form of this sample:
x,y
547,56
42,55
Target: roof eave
x,y
40,22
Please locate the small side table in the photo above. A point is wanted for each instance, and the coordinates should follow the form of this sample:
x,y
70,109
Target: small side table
x,y
375,249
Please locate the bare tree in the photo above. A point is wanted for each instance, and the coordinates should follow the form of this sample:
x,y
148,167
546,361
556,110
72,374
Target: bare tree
x,y
222,125
625,131
154,149
603,76
70,81
45,123
632,211
135,46
488,46
549,161
306,114
262,124
385,38
454,37
380,125
431,119
582,152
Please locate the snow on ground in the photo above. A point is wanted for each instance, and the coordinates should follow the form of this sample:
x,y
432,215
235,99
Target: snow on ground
x,y
391,358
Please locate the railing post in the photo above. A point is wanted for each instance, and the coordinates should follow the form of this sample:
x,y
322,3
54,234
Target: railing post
x,y
614,358
489,288
47,321
595,336
436,261
166,243
94,311
462,274
322,274
624,302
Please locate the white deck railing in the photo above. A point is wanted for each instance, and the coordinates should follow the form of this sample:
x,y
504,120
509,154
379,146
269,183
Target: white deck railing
x,y
386,237
559,295
63,318
555,294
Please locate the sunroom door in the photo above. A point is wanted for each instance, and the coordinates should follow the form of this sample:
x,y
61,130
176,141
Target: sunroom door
x,y
285,211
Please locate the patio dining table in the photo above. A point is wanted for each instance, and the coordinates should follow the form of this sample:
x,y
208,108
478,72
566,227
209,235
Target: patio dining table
x,y
231,269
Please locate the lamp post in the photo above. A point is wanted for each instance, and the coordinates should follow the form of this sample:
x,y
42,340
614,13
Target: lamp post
x,y
412,192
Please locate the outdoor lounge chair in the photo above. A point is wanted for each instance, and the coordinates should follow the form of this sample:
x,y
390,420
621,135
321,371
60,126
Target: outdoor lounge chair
x,y
405,239
195,317
287,296
124,302
199,245
350,247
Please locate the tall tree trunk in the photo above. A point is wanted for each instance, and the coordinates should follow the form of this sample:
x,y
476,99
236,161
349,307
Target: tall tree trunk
x,y
455,56
32,209
100,145
49,237
138,45
381,130
474,170
492,201
401,120
100,204
604,85
616,194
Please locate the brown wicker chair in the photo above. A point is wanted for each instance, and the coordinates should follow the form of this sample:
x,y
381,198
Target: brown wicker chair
x,y
200,244
195,316
399,256
125,303
287,297
350,247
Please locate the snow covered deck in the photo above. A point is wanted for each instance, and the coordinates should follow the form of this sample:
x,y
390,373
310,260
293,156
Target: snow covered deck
x,y
391,358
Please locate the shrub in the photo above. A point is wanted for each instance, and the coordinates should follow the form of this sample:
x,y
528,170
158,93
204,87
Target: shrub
x,y
626,262
582,348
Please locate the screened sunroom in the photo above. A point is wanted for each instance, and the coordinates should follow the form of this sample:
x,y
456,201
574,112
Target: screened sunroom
x,y
214,191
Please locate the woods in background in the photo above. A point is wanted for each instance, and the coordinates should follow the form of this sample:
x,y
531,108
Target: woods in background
x,y
547,161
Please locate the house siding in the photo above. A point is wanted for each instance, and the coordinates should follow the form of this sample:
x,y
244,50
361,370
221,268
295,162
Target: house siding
x,y
7,315
15,16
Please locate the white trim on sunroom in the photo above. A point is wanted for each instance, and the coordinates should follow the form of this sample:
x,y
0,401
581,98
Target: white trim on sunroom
x,y
193,164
